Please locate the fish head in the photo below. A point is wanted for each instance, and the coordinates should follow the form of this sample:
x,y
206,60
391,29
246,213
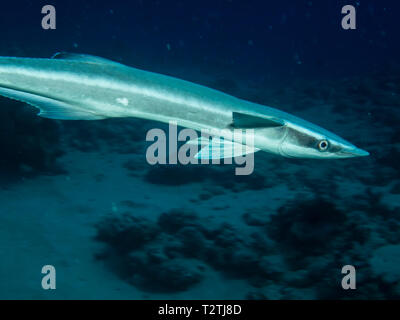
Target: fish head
x,y
306,140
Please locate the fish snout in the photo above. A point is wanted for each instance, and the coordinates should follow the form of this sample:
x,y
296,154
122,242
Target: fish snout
x,y
352,151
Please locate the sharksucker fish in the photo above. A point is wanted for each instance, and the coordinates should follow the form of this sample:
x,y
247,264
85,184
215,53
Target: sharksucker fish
x,y
82,87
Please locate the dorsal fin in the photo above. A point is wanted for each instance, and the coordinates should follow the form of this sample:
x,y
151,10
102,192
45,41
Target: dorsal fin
x,y
244,120
84,57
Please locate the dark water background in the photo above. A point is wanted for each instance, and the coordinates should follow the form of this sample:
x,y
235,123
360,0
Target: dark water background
x,y
196,231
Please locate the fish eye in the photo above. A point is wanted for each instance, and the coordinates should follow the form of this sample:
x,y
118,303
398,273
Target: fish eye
x,y
323,145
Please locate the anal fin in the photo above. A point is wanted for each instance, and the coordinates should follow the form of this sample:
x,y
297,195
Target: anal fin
x,y
50,108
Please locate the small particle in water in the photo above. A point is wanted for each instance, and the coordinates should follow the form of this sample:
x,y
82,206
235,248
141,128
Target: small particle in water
x,y
124,101
75,45
114,207
168,47
297,58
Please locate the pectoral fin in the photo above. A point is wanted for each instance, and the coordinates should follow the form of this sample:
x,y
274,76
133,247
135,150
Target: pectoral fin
x,y
202,141
220,149
244,120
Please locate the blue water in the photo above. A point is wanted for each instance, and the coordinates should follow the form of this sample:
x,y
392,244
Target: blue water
x,y
81,197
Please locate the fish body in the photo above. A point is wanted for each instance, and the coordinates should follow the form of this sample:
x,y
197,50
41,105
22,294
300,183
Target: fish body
x,y
83,87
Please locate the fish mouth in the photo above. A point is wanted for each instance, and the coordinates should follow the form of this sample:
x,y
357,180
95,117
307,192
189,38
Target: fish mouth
x,y
351,152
